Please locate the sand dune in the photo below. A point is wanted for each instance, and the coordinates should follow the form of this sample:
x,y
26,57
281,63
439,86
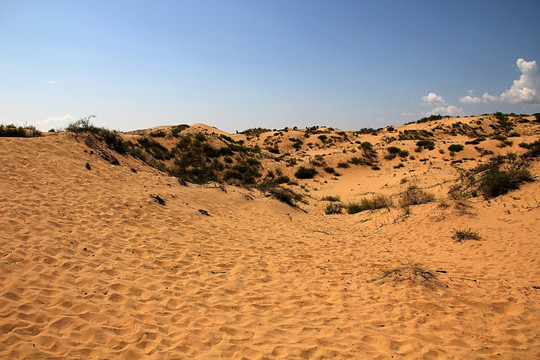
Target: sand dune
x,y
94,267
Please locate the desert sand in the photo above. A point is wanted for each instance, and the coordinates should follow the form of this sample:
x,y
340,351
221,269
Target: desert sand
x,y
94,267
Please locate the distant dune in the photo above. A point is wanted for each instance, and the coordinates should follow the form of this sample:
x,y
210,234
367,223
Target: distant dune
x,y
181,242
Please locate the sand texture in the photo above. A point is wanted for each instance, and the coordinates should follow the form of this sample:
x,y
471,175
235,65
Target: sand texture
x,y
94,267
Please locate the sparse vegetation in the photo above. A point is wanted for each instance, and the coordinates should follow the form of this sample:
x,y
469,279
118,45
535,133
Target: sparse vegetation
x,y
415,196
500,175
305,173
465,234
331,198
426,144
377,202
334,208
456,148
18,131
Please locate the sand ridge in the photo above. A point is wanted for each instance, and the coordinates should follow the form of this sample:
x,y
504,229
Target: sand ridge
x,y
94,267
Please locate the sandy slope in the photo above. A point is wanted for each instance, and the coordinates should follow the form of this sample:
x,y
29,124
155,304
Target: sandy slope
x,y
94,268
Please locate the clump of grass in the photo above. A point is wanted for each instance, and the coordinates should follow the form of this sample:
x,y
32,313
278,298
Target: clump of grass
x,y
333,208
377,202
331,198
412,272
465,234
415,196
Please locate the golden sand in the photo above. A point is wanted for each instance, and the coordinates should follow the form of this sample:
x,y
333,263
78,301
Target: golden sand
x,y
92,267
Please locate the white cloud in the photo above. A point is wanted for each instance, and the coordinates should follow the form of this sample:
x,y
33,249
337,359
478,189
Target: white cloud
x,y
51,82
470,99
433,99
441,107
526,89
450,110
53,122
490,98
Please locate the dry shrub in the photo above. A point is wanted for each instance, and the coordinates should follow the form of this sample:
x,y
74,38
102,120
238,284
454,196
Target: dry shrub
x,y
415,196
465,234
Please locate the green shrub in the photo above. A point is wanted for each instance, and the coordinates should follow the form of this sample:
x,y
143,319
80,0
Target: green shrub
x,y
331,198
426,144
333,208
403,153
393,150
157,133
18,131
343,165
497,182
282,179
456,148
329,169
353,208
175,130
377,202
285,195
305,173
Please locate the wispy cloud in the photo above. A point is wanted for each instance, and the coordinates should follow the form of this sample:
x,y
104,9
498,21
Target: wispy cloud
x,y
51,82
53,122
524,90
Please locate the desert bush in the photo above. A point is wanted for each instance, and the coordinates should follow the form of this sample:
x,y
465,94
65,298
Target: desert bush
x,y
376,202
343,165
305,173
18,131
456,148
465,234
475,141
497,182
175,130
334,208
286,196
155,148
282,179
331,198
353,208
415,196
112,139
158,133
393,150
403,153
356,161
329,169
426,144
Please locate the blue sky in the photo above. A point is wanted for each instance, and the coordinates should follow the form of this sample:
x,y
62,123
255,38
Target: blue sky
x,y
239,64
